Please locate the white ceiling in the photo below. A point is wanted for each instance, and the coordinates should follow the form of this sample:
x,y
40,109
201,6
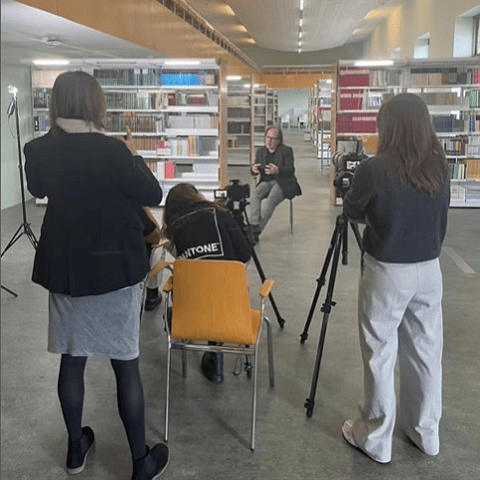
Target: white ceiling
x,y
275,24
253,25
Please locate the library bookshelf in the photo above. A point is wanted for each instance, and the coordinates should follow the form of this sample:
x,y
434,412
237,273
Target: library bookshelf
x,y
451,90
240,120
173,111
320,114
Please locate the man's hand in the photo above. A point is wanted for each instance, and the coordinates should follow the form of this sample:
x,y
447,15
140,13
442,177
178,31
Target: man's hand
x,y
255,168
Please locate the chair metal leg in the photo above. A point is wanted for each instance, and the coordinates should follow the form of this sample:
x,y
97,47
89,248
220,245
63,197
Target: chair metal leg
x,y
270,352
291,216
254,399
167,395
184,363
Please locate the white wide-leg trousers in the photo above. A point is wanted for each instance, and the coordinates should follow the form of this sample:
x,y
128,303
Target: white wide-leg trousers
x,y
400,314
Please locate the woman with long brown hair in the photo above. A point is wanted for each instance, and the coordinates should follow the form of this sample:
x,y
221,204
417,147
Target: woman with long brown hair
x,y
403,195
91,257
199,228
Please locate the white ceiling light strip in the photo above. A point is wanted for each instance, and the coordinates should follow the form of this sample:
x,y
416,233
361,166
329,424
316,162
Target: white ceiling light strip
x,y
300,25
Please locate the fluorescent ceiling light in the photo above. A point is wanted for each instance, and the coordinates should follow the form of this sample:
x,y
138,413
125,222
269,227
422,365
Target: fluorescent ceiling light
x,y
329,80
299,50
299,34
301,4
373,63
300,43
51,62
182,62
301,21
234,77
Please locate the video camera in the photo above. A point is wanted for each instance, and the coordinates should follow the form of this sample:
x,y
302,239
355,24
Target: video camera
x,y
235,195
345,165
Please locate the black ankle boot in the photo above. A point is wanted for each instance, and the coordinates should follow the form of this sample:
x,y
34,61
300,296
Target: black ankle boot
x,y
152,465
212,366
153,299
78,451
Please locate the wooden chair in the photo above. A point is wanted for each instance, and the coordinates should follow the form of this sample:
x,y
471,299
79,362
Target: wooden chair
x,y
208,300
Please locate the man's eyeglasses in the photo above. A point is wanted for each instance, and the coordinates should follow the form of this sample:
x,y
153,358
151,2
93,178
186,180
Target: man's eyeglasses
x,y
272,138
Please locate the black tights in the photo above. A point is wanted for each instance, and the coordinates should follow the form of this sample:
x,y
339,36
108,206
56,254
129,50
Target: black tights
x,y
131,404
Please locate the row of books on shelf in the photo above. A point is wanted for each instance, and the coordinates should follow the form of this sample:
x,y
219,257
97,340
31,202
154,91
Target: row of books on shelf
x,y
473,98
118,122
236,127
474,124
357,123
167,170
41,123
454,146
236,112
41,97
154,77
443,76
365,77
187,146
237,101
202,121
362,99
162,170
465,170
146,100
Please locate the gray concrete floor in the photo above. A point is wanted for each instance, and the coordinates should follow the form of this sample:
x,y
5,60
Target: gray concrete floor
x,y
210,424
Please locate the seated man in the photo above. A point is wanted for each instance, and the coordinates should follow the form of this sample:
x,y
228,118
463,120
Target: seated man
x,y
274,163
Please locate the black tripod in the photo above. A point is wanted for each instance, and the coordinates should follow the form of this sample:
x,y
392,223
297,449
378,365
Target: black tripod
x,y
338,242
24,228
237,209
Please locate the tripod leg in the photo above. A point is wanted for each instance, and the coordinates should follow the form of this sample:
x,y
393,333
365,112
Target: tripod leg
x,y
31,236
356,232
15,237
326,309
280,320
320,283
11,292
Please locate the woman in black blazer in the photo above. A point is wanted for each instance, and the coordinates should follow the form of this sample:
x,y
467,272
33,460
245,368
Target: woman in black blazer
x,y
91,257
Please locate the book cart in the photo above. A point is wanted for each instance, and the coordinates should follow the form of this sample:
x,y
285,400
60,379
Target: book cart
x,y
451,90
173,111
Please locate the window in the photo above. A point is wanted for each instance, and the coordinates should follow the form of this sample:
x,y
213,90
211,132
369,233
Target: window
x,y
476,27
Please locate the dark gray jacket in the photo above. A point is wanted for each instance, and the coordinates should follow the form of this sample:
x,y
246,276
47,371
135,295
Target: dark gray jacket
x,y
404,224
283,159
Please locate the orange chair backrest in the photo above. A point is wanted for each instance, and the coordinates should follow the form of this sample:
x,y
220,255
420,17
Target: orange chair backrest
x,y
211,302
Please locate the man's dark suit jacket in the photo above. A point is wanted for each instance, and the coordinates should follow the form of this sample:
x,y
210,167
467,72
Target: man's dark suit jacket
x,y
283,159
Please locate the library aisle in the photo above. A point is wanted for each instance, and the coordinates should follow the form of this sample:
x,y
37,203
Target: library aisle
x,y
210,424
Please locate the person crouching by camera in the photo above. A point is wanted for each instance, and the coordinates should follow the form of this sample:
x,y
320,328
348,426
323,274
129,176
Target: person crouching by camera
x,y
274,164
201,229
403,196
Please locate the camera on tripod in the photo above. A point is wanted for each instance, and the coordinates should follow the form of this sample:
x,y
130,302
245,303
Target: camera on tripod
x,y
235,195
345,165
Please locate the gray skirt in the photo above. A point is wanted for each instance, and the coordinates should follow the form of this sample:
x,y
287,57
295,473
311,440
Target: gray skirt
x,y
106,325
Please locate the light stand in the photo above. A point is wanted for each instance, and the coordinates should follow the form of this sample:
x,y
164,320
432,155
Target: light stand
x,y
24,228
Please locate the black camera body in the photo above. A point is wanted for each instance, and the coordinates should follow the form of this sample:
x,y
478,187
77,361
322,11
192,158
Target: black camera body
x,y
345,165
261,169
235,195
